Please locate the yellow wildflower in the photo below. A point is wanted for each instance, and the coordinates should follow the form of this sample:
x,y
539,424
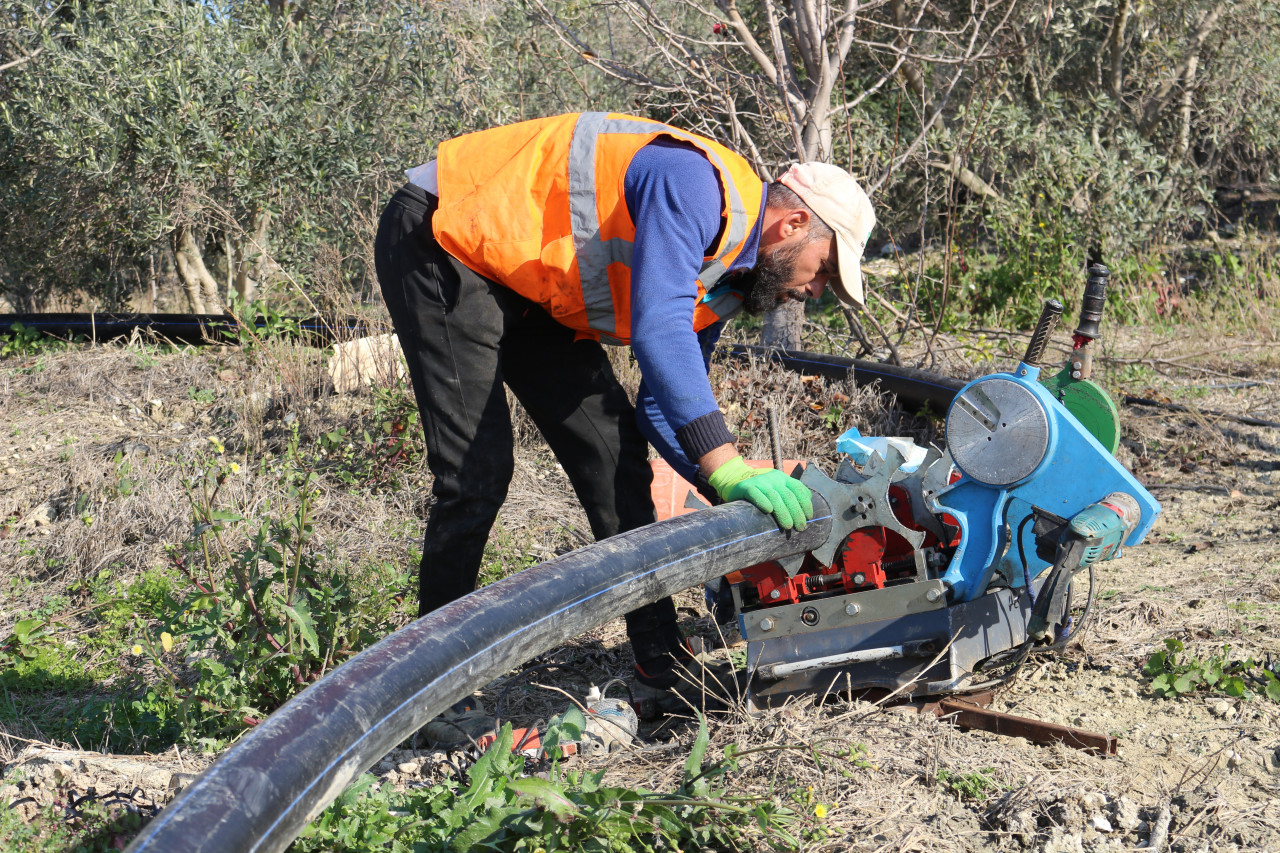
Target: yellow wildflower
x,y
166,641
819,811
137,649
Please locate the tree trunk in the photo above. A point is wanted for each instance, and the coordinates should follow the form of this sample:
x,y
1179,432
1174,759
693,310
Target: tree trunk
x,y
1188,95
1163,97
200,287
782,326
1116,46
249,257
910,73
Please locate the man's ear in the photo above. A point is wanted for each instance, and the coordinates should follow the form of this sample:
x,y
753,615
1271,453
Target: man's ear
x,y
793,220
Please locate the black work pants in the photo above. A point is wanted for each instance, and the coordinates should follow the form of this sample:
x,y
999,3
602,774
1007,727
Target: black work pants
x,y
464,336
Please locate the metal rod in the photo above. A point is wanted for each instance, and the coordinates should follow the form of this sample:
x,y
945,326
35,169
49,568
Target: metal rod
x,y
970,716
775,443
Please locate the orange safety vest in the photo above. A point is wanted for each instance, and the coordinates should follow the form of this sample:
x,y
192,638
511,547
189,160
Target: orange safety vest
x,y
539,207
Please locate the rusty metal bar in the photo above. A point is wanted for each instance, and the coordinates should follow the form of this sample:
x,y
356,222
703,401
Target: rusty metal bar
x,y
969,715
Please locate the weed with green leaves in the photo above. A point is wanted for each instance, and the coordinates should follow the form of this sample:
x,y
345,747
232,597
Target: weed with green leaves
x,y
500,808
1174,675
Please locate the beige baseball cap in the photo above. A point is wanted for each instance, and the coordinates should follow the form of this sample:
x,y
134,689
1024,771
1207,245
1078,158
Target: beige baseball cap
x,y
838,200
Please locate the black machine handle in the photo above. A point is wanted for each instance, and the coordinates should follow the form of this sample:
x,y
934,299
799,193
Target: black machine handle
x,y
1051,602
1095,299
1044,330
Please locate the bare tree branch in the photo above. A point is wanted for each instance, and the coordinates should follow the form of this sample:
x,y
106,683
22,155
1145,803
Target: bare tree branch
x,y
22,60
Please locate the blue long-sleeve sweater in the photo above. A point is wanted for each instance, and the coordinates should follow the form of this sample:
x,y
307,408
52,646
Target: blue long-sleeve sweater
x,y
674,198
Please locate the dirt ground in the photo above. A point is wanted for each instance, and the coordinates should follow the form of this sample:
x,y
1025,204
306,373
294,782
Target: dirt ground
x,y
891,778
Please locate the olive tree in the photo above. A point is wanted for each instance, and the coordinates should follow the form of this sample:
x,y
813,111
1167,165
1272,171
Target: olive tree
x,y
259,134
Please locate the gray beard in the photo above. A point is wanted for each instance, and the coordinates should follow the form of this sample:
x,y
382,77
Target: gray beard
x,y
765,285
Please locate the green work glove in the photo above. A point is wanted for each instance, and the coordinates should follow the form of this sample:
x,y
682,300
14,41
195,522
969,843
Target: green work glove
x,y
785,498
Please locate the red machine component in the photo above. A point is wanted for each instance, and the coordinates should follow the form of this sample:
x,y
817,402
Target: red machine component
x,y
868,559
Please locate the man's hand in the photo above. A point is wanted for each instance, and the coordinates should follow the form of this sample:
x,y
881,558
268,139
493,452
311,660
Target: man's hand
x,y
785,498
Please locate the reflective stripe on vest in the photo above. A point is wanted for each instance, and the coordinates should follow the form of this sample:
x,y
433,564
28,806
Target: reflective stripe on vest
x,y
595,254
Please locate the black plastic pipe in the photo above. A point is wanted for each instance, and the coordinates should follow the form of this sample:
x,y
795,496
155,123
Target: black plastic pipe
x,y
911,386
261,793
180,328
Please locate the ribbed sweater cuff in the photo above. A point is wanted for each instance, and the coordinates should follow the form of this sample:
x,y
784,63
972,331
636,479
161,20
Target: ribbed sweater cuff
x,y
702,435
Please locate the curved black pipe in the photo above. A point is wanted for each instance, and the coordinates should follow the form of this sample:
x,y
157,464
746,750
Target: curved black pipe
x,y
911,386
280,776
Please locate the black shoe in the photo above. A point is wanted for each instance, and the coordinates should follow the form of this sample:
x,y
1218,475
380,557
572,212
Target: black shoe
x,y
464,723
685,682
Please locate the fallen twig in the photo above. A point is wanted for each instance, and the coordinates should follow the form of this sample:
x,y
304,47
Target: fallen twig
x,y
1159,830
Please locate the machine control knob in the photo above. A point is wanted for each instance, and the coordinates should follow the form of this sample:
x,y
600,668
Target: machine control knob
x,y
997,431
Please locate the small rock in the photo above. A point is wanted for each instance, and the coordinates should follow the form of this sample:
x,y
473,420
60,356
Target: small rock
x,y
1126,814
1068,815
1022,823
408,768
1234,760
178,781
1100,823
1060,842
1221,708
385,767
